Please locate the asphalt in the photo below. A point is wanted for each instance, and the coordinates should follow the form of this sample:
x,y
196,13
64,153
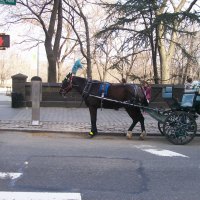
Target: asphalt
x,y
71,120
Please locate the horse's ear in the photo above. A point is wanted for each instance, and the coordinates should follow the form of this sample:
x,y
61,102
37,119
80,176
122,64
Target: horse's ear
x,y
68,75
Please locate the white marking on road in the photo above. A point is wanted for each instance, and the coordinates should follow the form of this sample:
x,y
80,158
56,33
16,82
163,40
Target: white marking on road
x,y
160,152
164,152
39,196
8,175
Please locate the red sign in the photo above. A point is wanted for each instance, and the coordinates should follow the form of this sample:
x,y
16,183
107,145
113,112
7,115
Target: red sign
x,y
4,40
1,41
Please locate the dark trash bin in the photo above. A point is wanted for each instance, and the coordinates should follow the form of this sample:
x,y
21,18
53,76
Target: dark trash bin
x,y
17,100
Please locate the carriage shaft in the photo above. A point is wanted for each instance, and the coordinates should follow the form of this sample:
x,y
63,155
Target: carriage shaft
x,y
154,113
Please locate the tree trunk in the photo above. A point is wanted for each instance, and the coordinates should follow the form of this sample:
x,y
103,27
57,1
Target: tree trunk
x,y
53,51
51,61
163,56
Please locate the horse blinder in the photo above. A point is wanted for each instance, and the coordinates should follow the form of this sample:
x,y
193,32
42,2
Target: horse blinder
x,y
66,85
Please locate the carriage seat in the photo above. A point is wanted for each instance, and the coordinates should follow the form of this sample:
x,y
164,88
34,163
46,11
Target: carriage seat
x,y
190,91
167,92
188,100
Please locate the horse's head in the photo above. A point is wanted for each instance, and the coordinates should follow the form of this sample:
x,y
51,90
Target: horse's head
x,y
66,85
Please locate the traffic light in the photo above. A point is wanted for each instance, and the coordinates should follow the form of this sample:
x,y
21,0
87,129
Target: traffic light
x,y
4,40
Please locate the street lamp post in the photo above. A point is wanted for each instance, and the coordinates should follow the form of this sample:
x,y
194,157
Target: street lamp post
x,y
38,58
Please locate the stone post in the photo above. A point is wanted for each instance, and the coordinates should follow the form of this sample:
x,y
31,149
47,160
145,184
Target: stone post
x,y
18,90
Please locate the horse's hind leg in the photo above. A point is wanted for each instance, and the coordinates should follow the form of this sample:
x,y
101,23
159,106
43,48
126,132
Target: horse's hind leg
x,y
129,132
93,117
136,116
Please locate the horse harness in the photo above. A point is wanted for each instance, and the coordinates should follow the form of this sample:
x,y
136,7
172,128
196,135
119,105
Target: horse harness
x,y
87,88
102,92
64,91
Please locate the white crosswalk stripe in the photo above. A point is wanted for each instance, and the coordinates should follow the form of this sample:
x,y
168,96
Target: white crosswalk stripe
x,y
160,152
39,196
10,175
165,153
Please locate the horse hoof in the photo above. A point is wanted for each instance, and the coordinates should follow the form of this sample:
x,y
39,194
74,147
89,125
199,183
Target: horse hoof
x,y
129,135
143,135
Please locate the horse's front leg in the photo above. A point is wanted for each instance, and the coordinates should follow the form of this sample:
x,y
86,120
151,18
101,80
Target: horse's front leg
x,y
93,117
131,113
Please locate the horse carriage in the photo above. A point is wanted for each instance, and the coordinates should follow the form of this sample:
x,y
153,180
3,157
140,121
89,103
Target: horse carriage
x,y
178,123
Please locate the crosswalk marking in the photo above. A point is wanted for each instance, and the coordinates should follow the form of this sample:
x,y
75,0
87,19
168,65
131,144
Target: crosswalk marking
x,y
160,152
9,175
165,153
39,196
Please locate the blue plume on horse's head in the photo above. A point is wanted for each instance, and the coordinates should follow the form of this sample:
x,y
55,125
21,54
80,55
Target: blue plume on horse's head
x,y
77,65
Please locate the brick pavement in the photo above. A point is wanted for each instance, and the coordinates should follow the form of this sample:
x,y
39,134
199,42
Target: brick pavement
x,y
71,120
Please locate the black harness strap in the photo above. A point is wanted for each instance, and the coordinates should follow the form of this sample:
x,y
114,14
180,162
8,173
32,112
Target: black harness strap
x,y
87,89
102,94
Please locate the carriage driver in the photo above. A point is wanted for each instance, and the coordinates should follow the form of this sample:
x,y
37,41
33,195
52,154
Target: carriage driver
x,y
188,84
147,90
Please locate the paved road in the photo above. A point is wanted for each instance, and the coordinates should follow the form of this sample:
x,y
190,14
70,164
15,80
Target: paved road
x,y
104,168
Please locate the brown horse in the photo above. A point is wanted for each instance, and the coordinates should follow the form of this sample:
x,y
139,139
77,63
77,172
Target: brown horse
x,y
112,96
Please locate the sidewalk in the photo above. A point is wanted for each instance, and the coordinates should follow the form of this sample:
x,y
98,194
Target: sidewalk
x,y
72,120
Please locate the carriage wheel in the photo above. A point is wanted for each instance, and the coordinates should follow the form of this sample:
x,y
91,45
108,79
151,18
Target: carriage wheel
x,y
160,125
180,127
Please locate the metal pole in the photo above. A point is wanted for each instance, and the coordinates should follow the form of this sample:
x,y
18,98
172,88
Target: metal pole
x,y
38,58
36,93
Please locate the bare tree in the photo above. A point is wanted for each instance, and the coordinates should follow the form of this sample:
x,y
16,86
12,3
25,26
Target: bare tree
x,y
186,62
66,48
76,16
168,34
103,57
12,63
156,29
48,15
4,72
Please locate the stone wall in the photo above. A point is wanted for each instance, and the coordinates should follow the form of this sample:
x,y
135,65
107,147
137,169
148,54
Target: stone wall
x,y
52,98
